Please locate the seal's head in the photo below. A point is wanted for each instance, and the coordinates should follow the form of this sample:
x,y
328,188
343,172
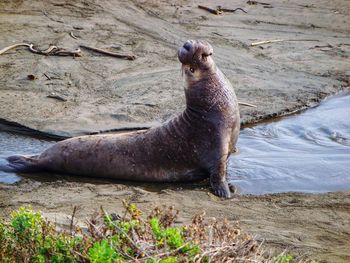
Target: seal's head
x,y
195,56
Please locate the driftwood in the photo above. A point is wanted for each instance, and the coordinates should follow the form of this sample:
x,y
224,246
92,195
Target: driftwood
x,y
279,40
220,10
2,51
52,50
246,104
210,10
106,52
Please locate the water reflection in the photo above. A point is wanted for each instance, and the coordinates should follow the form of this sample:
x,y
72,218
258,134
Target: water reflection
x,y
11,144
309,152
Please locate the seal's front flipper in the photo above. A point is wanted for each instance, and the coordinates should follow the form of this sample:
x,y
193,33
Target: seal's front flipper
x,y
221,189
233,188
19,163
218,181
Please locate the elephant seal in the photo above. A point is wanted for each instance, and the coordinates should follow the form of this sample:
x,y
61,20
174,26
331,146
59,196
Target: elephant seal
x,y
192,146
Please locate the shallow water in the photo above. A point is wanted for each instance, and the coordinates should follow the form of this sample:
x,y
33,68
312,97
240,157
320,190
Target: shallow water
x,y
308,152
12,144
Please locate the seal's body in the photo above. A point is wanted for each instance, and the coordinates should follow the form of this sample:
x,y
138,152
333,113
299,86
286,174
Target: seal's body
x,y
192,146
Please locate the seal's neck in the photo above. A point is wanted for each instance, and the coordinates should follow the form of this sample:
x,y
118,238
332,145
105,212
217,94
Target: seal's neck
x,y
212,98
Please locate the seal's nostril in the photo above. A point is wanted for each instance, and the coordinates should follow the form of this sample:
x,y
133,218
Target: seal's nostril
x,y
187,46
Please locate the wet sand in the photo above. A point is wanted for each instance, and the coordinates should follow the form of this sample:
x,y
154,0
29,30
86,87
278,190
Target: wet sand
x,y
104,93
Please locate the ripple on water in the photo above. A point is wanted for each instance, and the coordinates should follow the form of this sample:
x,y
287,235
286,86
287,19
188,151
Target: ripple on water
x,y
11,144
308,152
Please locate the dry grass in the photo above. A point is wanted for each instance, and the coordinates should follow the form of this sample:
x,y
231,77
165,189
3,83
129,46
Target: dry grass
x,y
130,237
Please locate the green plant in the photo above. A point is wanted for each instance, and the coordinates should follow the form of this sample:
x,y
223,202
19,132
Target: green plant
x,y
174,237
102,252
26,225
28,237
282,259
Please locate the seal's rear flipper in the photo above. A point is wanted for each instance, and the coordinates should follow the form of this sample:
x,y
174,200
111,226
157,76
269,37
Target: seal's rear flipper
x,y
19,163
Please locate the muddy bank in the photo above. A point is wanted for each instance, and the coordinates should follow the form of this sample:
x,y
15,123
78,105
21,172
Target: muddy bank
x,y
102,92
313,225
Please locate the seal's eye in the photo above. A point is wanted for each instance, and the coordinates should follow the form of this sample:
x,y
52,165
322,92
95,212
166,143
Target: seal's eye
x,y
192,70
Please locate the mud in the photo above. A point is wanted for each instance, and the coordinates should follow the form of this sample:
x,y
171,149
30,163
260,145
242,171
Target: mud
x,y
105,93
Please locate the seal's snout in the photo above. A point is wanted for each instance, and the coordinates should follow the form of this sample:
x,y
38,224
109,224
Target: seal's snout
x,y
194,51
187,45
186,52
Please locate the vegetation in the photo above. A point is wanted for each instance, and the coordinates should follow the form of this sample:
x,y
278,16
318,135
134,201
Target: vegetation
x,y
28,237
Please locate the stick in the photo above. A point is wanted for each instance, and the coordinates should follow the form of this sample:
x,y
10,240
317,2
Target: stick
x,y
55,51
266,42
47,51
13,46
279,40
247,104
72,220
230,10
72,35
47,76
252,2
123,232
50,51
210,10
55,96
128,57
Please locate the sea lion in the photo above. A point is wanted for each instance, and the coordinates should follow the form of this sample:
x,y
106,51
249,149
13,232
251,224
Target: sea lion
x,y
192,146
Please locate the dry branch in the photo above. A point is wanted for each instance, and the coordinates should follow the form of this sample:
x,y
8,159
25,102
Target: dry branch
x,y
102,51
279,40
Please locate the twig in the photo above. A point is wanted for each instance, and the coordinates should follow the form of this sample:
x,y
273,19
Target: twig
x,y
86,259
52,19
47,51
128,57
246,104
317,46
279,40
90,224
47,76
230,10
13,46
252,2
72,220
55,96
123,232
72,35
170,252
210,10
55,51
50,51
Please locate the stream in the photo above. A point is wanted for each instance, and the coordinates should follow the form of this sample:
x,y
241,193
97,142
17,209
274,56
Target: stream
x,y
307,152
